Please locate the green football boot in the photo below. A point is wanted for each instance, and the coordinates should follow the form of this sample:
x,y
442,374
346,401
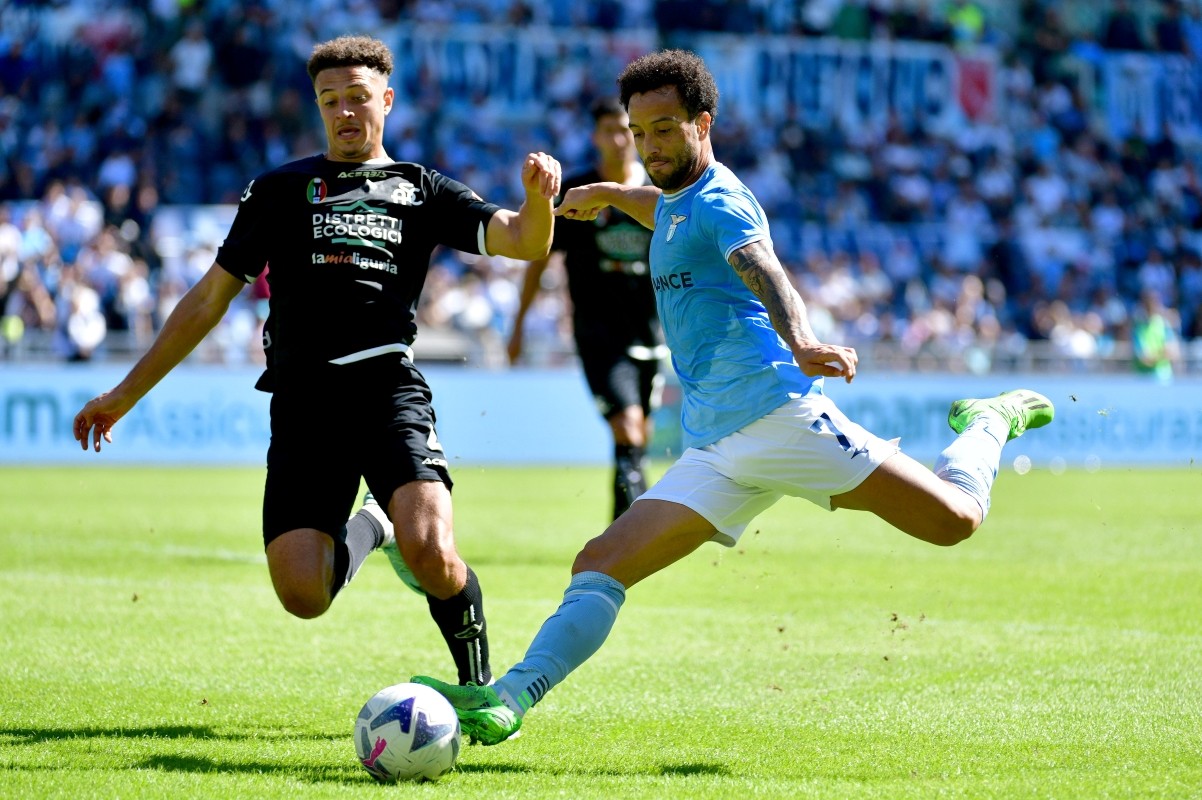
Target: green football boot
x,y
389,547
1023,409
482,715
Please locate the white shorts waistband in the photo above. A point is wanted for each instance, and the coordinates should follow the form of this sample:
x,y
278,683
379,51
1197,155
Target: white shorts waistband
x,y
372,352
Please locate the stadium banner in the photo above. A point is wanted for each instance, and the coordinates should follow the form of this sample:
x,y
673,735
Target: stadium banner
x,y
1154,95
516,72
826,82
212,415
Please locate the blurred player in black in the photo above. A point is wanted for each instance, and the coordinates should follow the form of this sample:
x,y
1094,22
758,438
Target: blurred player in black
x,y
617,331
348,235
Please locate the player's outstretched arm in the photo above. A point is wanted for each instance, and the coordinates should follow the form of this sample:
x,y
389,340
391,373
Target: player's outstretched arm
x,y
531,283
763,274
197,313
525,234
586,202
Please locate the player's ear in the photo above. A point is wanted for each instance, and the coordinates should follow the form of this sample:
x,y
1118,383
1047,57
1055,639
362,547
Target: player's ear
x,y
388,95
704,120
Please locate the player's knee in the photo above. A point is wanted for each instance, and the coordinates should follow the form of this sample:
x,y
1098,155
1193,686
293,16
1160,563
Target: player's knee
x,y
954,526
305,602
595,557
436,568
629,427
630,436
623,438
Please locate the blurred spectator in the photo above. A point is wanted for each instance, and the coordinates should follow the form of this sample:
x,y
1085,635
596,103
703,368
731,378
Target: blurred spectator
x,y
1121,28
849,206
1170,28
28,306
191,58
10,248
966,20
1156,278
1047,191
1191,30
1050,42
81,322
918,22
1154,338
16,66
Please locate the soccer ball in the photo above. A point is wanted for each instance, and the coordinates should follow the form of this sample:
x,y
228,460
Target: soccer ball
x,y
407,732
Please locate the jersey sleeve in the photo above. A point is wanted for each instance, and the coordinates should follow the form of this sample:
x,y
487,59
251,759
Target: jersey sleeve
x,y
460,216
244,254
733,219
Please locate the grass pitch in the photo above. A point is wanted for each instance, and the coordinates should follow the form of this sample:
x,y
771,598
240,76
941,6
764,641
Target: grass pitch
x,y
1054,655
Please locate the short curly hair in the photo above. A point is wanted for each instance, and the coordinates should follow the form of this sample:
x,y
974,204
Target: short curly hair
x,y
680,68
350,51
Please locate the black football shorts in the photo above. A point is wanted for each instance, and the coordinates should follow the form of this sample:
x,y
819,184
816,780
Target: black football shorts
x,y
618,381
372,418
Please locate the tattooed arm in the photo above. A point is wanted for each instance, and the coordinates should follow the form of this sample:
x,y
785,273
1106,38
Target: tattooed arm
x,y
763,274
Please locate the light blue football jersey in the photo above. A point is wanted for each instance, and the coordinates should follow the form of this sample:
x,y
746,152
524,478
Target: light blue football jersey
x,y
733,366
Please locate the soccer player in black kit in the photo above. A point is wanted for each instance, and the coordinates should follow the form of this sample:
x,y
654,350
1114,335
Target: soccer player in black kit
x,y
618,337
348,235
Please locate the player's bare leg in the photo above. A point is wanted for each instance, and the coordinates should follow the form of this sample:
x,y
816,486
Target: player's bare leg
x,y
914,500
644,540
309,567
652,535
422,522
629,428
946,506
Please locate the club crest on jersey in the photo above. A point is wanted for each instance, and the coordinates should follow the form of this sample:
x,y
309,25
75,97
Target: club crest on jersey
x,y
676,220
317,190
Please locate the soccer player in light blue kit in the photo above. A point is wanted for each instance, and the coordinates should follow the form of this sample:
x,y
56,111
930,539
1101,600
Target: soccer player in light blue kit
x,y
757,425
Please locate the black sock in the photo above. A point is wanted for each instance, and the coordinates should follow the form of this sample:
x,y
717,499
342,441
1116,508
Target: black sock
x,y
629,480
364,533
461,620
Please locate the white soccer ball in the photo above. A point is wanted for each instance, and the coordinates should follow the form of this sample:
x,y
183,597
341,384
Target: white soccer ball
x,y
407,732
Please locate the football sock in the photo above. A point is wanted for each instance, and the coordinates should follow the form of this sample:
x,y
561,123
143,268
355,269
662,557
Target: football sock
x,y
566,640
629,478
364,533
461,620
971,461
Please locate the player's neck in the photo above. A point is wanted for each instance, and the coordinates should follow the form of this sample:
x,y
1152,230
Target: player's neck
x,y
625,172
380,157
695,173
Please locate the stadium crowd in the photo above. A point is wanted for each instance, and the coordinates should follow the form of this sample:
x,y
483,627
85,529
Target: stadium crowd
x,y
962,245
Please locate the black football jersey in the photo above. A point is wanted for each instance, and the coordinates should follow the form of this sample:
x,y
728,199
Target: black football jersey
x,y
609,279
348,246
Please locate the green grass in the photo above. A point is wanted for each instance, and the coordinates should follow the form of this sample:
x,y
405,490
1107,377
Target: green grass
x,y
1054,655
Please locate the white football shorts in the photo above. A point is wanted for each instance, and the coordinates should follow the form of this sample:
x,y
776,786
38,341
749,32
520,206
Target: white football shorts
x,y
806,448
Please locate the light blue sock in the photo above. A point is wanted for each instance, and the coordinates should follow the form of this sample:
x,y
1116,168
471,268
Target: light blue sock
x,y
971,461
566,640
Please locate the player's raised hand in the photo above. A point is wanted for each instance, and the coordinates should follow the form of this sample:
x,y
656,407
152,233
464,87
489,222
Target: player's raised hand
x,y
98,418
541,175
583,202
827,360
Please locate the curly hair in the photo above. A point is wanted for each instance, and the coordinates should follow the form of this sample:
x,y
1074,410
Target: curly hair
x,y
350,51
680,68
